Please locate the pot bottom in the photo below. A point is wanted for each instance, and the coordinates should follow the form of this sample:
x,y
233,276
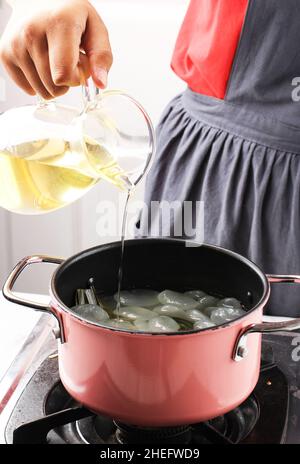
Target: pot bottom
x,y
159,418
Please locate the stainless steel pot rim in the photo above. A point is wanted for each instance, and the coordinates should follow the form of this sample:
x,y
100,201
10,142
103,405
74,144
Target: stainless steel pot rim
x,y
58,303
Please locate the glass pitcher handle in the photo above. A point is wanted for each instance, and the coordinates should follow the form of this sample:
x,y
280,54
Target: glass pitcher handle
x,y
42,103
92,95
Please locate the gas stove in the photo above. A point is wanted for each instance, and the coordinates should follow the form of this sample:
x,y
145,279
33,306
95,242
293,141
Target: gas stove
x,y
37,409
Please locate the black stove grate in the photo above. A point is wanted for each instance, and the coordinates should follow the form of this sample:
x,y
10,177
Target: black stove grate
x,y
128,434
37,431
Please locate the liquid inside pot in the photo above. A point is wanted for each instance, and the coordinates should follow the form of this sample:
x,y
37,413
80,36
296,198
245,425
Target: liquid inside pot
x,y
151,311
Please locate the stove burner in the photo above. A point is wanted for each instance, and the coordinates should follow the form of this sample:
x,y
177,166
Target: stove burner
x,y
96,430
232,428
58,418
129,434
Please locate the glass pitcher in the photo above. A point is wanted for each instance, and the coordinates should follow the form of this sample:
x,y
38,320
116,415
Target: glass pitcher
x,y
51,155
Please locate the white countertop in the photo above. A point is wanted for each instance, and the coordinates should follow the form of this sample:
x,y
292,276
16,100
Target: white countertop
x,y
16,323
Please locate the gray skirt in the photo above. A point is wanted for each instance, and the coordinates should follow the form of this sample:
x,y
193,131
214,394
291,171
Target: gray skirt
x,y
245,169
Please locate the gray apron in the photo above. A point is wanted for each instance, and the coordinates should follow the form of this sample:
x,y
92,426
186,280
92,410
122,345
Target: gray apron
x,y
241,156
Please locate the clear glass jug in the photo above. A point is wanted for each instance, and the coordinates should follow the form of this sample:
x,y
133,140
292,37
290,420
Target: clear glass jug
x,y
51,155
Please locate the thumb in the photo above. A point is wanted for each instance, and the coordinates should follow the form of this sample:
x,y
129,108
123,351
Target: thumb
x,y
97,48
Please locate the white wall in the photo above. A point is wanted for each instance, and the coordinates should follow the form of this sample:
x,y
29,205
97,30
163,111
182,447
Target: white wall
x,y
142,35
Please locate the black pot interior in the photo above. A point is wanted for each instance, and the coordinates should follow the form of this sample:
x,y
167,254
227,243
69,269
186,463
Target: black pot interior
x,y
162,264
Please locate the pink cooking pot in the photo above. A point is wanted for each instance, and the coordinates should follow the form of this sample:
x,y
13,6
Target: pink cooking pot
x,y
153,379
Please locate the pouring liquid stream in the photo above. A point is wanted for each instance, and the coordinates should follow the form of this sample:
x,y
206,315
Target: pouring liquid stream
x,y
123,233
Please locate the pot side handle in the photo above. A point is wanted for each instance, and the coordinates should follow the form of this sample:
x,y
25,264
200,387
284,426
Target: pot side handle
x,y
240,350
13,298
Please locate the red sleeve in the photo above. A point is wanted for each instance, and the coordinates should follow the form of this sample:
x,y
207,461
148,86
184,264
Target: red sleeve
x,y
207,44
